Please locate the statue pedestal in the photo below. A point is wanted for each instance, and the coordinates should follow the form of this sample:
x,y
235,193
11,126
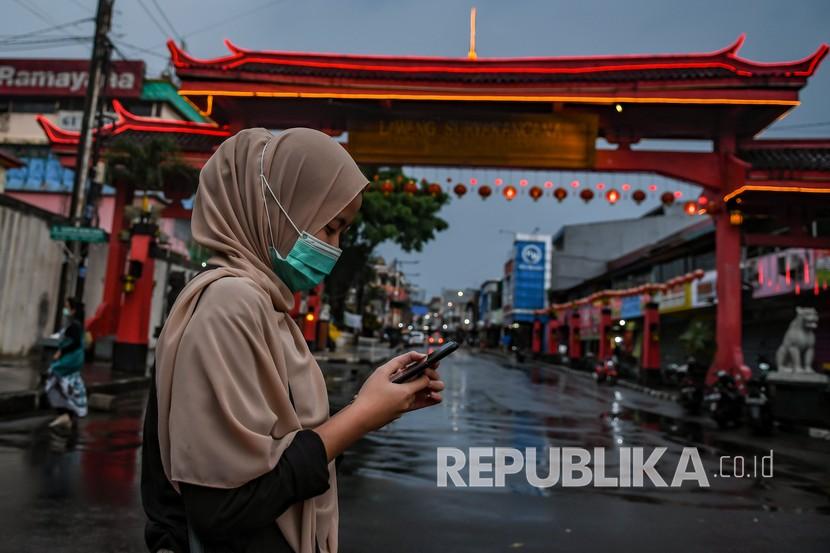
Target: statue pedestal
x,y
801,397
804,377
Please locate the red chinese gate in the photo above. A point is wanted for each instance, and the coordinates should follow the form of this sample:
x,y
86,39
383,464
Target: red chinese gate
x,y
717,96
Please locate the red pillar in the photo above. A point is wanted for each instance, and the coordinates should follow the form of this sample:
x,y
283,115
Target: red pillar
x,y
729,349
312,314
605,349
552,336
105,320
574,343
130,348
536,337
651,337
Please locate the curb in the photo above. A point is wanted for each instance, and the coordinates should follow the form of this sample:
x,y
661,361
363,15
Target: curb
x,y
14,403
659,394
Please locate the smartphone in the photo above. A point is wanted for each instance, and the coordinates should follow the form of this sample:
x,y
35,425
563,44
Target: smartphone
x,y
416,370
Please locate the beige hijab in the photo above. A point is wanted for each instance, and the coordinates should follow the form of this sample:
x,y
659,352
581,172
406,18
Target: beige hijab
x,y
228,371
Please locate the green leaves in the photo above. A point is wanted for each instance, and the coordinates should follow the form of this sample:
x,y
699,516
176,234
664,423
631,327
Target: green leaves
x,y
154,164
407,218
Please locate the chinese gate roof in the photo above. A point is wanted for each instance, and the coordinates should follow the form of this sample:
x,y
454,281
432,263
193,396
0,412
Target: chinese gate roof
x,y
191,138
665,96
788,155
508,77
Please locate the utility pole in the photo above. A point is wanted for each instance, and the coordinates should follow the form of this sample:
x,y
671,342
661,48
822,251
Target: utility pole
x,y
78,205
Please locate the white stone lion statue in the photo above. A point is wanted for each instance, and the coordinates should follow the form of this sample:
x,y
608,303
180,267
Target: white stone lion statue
x,y
795,354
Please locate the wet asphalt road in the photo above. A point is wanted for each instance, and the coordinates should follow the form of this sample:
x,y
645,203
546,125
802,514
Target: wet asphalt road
x,y
56,495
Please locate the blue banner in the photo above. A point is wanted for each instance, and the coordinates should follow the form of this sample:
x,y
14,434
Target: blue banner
x,y
529,277
631,307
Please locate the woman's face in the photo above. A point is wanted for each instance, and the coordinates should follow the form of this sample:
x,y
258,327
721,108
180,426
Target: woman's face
x,y
334,229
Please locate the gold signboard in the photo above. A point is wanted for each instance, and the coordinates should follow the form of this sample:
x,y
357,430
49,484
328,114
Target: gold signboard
x,y
555,141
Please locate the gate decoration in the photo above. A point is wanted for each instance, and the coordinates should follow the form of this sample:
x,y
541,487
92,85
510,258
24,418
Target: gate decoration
x,y
717,96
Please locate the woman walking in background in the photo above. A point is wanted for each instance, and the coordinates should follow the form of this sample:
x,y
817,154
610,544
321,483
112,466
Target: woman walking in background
x,y
64,385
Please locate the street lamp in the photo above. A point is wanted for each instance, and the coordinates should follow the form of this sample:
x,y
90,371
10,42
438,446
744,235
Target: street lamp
x,y
460,293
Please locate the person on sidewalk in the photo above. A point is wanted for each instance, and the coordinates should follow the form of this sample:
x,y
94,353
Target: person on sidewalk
x,y
239,447
64,385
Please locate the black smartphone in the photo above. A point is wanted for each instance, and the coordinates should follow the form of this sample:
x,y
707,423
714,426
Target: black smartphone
x,y
414,371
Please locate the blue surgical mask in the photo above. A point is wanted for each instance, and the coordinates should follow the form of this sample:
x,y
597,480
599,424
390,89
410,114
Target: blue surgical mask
x,y
309,260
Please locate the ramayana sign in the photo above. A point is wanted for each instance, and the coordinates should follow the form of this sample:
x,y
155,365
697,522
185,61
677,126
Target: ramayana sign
x,y
36,77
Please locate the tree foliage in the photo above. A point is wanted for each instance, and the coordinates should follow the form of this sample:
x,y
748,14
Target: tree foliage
x,y
155,164
395,207
698,340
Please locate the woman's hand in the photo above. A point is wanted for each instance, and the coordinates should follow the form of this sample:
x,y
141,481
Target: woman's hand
x,y
381,401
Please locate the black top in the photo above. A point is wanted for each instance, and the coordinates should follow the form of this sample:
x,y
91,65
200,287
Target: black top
x,y
227,520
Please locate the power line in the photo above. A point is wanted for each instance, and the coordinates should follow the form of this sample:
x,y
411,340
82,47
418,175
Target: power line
x,y
77,22
169,23
140,49
225,21
44,44
152,17
35,11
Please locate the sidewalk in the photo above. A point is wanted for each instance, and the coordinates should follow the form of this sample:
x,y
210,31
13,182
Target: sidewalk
x,y
21,391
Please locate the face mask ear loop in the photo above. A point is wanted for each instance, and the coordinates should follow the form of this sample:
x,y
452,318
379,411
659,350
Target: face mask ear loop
x,y
264,185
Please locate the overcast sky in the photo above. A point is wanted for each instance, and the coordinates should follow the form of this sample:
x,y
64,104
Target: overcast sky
x,y
475,247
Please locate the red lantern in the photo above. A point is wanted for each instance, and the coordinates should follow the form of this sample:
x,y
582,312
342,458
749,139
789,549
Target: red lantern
x,y
387,187
509,192
574,184
667,198
498,182
485,192
612,196
652,188
376,177
535,193
560,194
434,189
600,186
410,187
626,187
473,181
638,196
460,190
548,184
587,194
678,194
702,200
690,208
399,179
523,182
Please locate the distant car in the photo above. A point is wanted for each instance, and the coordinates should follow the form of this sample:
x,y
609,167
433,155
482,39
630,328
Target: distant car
x,y
416,338
436,339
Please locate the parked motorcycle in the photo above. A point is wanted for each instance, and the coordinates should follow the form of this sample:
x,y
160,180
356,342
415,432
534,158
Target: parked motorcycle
x,y
691,377
606,371
725,401
518,354
759,405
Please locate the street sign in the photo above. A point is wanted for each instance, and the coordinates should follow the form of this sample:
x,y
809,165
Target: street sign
x,y
69,233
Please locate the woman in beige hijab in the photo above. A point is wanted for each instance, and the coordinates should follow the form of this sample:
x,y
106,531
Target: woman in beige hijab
x,y
239,445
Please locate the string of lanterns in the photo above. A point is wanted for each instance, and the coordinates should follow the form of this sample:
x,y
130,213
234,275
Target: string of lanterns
x,y
561,193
